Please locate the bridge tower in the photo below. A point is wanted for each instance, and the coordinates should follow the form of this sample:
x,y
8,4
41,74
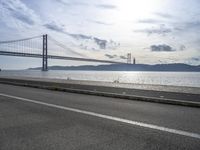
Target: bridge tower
x,y
44,54
129,58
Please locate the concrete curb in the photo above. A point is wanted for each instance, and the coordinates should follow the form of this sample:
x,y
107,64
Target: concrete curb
x,y
58,87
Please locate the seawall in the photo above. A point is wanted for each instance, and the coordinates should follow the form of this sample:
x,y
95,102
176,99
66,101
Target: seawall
x,y
185,96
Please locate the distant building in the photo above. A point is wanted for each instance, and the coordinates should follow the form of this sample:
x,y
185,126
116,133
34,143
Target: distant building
x,y
129,58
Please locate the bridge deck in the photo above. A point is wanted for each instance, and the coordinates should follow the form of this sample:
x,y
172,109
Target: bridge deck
x,y
7,53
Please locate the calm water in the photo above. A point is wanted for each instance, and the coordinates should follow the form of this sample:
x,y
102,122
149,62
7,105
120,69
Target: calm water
x,y
191,79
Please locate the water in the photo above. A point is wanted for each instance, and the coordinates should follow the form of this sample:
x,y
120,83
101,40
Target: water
x,y
189,79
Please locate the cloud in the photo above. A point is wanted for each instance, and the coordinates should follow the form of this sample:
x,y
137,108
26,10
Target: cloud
x,y
87,42
163,15
59,28
195,59
72,3
15,12
114,56
192,25
80,36
24,18
123,57
149,21
101,43
53,26
110,56
182,47
106,6
161,48
162,30
100,22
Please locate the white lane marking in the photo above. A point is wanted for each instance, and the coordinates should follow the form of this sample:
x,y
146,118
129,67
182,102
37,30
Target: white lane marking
x,y
136,123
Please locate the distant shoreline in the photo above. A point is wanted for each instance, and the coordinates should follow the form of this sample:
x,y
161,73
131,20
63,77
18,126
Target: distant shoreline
x,y
128,67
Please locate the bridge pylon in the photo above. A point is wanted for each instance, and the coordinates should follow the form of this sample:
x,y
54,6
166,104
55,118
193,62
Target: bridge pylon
x,y
44,54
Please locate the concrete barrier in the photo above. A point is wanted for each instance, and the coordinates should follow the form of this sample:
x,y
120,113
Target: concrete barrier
x,y
114,92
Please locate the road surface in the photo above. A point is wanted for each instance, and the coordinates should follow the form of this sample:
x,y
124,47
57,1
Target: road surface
x,y
33,118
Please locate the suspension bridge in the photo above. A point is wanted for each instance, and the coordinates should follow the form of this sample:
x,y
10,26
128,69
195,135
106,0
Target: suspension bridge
x,y
40,47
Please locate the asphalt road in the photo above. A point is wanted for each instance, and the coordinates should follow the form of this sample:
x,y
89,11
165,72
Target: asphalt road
x,y
40,119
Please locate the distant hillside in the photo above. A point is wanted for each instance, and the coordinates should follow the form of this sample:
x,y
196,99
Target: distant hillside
x,y
129,67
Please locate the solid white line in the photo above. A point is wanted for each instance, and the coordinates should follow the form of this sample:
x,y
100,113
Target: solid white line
x,y
136,123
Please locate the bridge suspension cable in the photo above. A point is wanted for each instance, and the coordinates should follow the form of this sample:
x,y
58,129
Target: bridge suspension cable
x,y
19,40
64,46
31,45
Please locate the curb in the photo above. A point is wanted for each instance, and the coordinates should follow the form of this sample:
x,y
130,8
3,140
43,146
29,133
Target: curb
x,y
99,93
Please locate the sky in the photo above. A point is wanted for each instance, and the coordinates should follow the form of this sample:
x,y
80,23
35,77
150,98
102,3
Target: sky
x,y
153,31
